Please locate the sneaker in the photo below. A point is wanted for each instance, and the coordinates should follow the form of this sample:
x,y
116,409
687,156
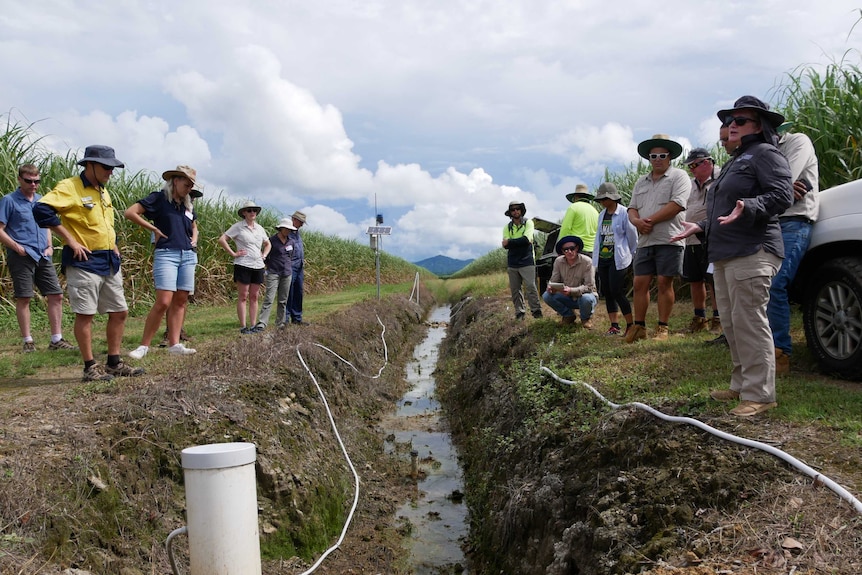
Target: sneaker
x,y
720,340
139,352
635,332
697,324
300,322
122,369
715,325
29,347
96,372
246,330
724,395
180,349
62,344
613,331
661,333
750,408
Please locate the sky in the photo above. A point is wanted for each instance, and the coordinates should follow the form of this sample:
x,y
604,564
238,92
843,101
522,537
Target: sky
x,y
433,114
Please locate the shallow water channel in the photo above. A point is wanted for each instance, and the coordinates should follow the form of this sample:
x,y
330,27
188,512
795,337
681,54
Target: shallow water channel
x,y
417,430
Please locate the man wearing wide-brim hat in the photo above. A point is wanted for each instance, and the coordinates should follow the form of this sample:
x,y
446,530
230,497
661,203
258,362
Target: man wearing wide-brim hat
x,y
744,244
573,283
521,260
293,312
656,210
79,210
581,218
279,272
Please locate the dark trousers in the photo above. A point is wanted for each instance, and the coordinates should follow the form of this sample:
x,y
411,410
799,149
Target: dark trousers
x,y
293,310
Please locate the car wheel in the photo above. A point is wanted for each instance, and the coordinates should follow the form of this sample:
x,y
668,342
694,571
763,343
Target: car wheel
x,y
833,317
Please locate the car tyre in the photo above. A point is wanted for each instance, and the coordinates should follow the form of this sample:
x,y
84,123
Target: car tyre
x,y
833,317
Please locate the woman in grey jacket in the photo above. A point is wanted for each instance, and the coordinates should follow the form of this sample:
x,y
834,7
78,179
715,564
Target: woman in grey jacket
x,y
743,241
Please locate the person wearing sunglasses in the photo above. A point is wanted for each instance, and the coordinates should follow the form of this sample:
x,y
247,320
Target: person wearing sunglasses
x,y
744,243
656,210
521,260
29,250
79,210
695,264
572,285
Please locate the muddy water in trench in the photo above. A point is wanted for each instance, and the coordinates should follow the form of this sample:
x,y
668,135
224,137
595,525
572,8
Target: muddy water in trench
x,y
436,512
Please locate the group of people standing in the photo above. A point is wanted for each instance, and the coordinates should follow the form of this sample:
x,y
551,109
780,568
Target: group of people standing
x,y
80,211
740,231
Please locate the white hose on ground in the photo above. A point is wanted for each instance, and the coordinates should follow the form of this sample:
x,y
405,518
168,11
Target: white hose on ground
x,y
338,437
817,477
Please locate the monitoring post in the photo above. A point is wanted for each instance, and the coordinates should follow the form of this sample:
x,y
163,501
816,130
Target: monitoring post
x,y
375,234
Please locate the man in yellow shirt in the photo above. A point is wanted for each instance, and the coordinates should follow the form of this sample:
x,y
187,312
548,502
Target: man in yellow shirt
x,y
79,210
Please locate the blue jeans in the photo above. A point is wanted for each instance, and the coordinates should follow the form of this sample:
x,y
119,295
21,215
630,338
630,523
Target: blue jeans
x,y
293,309
565,305
796,236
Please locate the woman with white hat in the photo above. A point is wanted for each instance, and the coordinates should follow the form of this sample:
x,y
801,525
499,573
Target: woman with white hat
x,y
252,246
169,215
279,270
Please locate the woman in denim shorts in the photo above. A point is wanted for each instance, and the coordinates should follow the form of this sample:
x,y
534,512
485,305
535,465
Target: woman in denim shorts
x,y
169,215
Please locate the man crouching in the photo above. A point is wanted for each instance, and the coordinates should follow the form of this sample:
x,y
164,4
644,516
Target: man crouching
x,y
572,285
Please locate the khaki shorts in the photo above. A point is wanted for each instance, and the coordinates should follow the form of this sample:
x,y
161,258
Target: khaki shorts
x,y
91,293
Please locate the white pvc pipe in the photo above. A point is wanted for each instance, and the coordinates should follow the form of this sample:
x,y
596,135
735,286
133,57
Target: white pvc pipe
x,y
221,509
816,476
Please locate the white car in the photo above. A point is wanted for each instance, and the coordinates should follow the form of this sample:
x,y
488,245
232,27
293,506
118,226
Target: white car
x,y
829,282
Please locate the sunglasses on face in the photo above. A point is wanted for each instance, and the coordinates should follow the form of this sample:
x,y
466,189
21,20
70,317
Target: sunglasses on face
x,y
570,249
694,165
738,120
36,181
658,156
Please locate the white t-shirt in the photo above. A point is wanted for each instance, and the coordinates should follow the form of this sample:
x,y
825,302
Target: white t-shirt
x,y
249,239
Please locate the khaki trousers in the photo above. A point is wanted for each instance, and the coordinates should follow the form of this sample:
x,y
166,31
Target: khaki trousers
x,y
742,292
525,276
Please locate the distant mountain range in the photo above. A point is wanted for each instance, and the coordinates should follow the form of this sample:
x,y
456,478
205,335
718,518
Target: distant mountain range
x,y
442,266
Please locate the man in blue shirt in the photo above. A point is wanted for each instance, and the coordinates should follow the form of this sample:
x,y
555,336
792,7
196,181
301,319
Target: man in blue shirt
x,y
28,256
293,312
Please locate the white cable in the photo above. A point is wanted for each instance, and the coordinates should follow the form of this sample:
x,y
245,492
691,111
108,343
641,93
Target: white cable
x,y
817,477
338,436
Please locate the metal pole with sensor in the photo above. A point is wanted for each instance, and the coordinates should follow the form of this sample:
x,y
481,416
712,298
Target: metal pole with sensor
x,y
375,233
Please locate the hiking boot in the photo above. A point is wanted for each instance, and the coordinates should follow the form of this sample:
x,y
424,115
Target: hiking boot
x,y
588,324
635,332
661,333
613,331
724,395
122,369
750,408
537,314
164,342
697,324
720,340
518,316
782,362
96,372
62,344
568,319
28,347
715,325
180,349
139,352
183,335
246,330
258,328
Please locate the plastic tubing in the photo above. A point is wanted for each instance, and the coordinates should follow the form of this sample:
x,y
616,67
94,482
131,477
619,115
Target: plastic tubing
x,y
338,437
816,476
170,549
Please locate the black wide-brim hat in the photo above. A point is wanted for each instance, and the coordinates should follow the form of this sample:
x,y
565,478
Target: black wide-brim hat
x,y
774,119
566,239
101,155
659,141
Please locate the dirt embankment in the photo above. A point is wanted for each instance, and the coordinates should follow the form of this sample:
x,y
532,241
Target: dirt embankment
x,y
91,478
601,492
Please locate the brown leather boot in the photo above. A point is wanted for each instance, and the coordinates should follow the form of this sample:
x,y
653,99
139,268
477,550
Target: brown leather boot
x,y
782,362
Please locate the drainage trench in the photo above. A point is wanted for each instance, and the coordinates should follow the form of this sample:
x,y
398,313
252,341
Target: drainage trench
x,y
436,513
